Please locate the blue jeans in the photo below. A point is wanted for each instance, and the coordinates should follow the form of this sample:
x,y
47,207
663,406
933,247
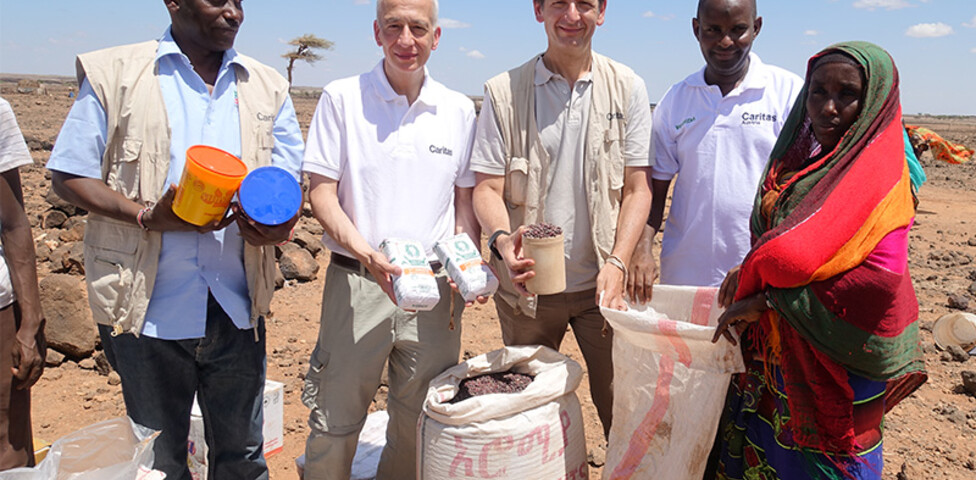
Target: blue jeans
x,y
225,370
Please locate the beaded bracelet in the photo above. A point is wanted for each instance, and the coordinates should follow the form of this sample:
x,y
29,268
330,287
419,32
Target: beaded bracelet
x,y
141,214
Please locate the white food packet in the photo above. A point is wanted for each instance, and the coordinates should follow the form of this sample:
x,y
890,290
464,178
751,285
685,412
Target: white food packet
x,y
465,266
416,288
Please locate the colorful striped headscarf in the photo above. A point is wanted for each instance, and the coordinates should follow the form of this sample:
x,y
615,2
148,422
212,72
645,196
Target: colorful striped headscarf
x,y
832,253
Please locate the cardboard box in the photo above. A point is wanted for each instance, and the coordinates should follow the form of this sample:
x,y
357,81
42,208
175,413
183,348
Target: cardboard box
x,y
274,440
274,412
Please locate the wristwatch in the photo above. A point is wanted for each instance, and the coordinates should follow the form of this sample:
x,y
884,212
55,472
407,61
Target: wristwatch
x,y
491,243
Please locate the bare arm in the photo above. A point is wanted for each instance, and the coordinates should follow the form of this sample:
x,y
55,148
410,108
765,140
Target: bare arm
x,y
324,196
634,209
489,206
94,195
643,267
465,220
18,244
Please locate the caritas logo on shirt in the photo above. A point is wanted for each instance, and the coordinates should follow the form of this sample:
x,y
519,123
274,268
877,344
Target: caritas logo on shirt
x,y
757,118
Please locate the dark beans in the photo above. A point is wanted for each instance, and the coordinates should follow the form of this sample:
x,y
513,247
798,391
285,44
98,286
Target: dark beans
x,y
499,382
542,230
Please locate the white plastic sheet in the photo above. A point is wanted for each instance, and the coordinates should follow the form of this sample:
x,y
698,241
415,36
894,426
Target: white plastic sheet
x,y
115,449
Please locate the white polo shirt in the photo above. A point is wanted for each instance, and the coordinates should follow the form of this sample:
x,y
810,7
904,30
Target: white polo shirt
x,y
397,164
562,115
718,147
13,154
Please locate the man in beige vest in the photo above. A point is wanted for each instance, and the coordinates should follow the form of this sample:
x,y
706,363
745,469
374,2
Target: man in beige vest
x,y
565,139
180,308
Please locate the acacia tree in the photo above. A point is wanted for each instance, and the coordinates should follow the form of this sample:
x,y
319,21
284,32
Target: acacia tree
x,y
305,47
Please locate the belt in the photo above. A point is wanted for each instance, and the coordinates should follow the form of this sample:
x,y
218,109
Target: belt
x,y
349,263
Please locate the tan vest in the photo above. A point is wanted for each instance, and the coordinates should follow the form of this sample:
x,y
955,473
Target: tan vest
x,y
121,260
527,162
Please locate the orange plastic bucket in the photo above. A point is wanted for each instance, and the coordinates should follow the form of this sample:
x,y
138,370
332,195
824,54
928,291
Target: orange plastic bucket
x,y
210,180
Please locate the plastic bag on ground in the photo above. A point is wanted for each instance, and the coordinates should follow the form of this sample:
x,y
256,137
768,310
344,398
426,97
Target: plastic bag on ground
x,y
669,384
116,449
533,434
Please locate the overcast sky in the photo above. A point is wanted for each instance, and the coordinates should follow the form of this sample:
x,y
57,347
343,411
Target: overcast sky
x,y
933,41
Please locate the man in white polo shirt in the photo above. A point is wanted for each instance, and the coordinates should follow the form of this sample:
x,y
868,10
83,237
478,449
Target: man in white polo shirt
x,y
714,130
388,158
573,128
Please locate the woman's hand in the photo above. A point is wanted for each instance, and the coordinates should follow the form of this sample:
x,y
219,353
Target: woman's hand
x,y
726,293
740,314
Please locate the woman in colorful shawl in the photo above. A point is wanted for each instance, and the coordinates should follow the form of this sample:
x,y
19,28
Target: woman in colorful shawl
x,y
824,301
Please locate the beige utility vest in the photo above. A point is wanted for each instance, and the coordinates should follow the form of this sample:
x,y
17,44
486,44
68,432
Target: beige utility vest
x,y
121,260
527,162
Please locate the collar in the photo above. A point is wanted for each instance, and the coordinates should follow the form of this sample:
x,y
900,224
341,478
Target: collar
x,y
756,77
543,75
168,46
383,88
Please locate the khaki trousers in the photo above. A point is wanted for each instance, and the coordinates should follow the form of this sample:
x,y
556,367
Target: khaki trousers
x,y
361,330
555,313
16,441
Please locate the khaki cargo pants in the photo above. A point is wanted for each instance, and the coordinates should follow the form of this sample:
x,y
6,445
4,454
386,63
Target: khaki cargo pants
x,y
361,330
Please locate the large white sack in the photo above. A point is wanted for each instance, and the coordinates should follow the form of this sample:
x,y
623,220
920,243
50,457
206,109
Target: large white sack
x,y
669,384
116,449
535,434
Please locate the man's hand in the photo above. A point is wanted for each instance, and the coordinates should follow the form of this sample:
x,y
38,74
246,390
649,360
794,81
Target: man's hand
x,y
28,360
610,283
482,299
162,219
726,293
643,269
383,271
510,248
259,234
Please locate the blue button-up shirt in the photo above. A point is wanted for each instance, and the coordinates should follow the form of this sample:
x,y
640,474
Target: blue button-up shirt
x,y
190,264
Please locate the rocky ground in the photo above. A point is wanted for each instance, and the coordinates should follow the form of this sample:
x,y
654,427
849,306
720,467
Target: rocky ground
x,y
930,435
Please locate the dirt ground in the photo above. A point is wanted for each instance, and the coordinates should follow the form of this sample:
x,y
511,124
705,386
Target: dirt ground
x,y
930,435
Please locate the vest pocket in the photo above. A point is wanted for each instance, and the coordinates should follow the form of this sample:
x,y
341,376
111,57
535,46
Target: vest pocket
x,y
123,174
517,179
110,251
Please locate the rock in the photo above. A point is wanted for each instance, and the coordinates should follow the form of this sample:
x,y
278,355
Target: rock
x,y
957,353
114,378
69,258
61,204
34,143
597,456
969,381
41,251
101,363
308,241
959,302
87,364
972,289
945,357
53,358
54,218
972,242
279,277
69,328
73,230
972,274
296,263
315,228
52,375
